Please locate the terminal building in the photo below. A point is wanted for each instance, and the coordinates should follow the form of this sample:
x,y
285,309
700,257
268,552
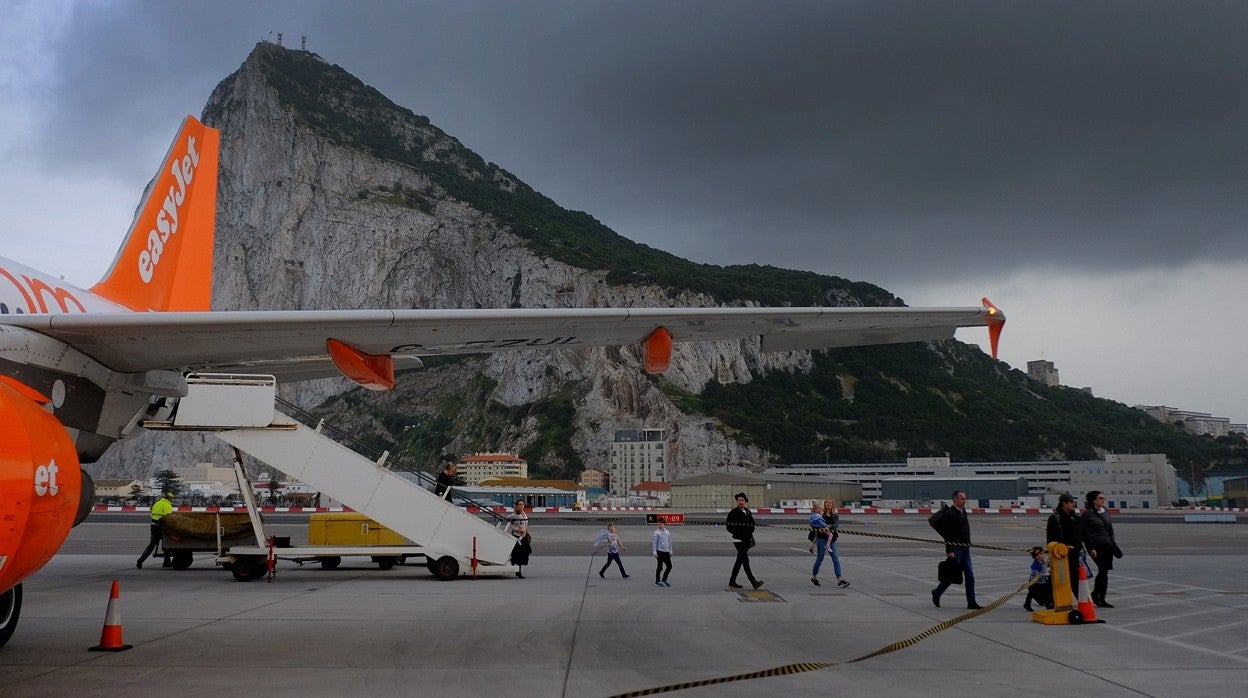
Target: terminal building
x,y
772,489
1129,481
982,492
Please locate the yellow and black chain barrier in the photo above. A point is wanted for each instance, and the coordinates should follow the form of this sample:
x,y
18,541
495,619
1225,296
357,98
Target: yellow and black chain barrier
x,y
802,667
869,534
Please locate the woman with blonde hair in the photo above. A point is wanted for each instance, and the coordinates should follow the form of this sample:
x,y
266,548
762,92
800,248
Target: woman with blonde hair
x,y
833,520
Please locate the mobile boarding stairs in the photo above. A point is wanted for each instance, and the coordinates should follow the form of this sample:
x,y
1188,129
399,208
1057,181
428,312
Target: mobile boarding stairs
x,y
240,410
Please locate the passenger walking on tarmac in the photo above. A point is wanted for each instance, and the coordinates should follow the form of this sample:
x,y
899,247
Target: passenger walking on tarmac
x,y
614,546
954,527
818,537
160,509
446,478
1064,526
1098,535
518,527
740,525
1041,588
833,520
661,549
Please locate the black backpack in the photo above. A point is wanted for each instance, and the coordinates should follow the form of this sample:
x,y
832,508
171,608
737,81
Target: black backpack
x,y
937,521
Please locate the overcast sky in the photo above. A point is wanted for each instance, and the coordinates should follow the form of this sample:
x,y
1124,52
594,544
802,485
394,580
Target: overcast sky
x,y
1084,165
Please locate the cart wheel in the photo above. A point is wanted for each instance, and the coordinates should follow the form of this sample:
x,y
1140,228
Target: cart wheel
x,y
445,568
384,562
330,562
10,609
1075,617
244,568
181,559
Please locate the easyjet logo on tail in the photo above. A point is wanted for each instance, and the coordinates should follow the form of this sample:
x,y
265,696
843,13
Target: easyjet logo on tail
x,y
165,262
183,172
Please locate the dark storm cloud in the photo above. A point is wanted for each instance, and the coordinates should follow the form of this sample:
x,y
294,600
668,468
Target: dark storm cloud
x,y
872,140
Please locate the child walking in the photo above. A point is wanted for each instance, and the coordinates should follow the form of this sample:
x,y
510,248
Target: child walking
x,y
1041,590
661,548
614,546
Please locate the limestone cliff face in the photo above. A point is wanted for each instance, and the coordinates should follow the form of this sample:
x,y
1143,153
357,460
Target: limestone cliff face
x,y
305,221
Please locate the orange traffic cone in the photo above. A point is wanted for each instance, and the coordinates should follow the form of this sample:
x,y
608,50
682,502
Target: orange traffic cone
x,y
1086,608
110,637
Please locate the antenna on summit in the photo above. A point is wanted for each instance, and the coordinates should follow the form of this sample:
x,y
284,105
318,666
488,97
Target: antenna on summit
x,y
303,42
279,38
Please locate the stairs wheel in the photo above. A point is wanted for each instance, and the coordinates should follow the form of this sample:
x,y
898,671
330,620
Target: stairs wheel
x,y
245,567
445,568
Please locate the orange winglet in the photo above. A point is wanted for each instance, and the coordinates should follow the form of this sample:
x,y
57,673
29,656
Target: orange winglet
x,y
658,350
373,371
995,322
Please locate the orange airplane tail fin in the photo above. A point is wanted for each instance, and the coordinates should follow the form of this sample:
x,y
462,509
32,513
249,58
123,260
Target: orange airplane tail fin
x,y
165,262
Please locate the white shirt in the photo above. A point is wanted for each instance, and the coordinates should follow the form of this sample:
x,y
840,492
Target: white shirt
x,y
662,541
517,525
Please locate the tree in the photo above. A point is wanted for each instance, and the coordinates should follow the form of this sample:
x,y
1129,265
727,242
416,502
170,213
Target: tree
x,y
136,491
274,486
168,481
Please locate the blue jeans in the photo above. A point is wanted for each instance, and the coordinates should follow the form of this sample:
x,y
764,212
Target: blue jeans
x,y
821,549
963,556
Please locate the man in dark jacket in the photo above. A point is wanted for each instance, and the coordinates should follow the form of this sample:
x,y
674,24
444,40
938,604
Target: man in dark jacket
x,y
740,525
446,478
1064,526
953,526
1098,535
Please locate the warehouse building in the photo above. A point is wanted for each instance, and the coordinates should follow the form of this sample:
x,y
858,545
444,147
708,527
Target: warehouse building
x,y
717,490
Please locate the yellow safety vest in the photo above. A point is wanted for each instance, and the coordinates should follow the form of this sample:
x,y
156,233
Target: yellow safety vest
x,y
160,508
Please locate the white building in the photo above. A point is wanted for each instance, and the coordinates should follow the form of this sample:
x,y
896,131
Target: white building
x,y
483,466
637,456
207,480
1129,481
1193,422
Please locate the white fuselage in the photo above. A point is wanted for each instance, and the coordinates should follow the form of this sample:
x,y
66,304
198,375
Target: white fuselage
x,y
26,291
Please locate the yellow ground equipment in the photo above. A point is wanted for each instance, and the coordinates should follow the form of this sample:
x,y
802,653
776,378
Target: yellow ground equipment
x,y
349,528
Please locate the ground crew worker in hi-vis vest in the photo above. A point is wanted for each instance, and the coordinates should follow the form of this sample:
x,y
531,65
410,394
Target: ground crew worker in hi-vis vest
x,y
162,507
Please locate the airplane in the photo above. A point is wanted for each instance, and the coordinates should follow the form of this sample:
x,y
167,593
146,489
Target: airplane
x,y
81,368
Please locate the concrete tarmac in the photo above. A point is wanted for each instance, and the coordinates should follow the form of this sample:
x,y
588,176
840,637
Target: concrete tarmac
x,y
1180,626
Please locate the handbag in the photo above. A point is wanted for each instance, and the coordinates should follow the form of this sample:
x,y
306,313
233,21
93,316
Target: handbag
x,y
949,572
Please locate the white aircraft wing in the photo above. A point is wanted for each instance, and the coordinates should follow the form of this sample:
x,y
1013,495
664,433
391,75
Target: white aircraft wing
x,y
292,344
